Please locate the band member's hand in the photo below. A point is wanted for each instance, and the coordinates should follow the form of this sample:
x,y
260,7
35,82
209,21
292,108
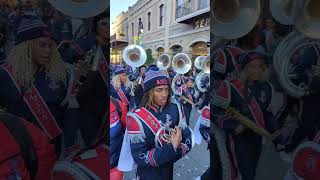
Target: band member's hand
x,y
239,129
176,137
166,138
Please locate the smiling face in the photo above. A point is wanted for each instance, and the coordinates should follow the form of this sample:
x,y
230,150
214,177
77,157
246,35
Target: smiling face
x,y
160,95
41,51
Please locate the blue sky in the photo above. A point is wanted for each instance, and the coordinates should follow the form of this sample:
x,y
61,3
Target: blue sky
x,y
117,6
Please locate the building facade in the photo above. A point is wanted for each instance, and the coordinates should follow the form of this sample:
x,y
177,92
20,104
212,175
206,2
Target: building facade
x,y
163,26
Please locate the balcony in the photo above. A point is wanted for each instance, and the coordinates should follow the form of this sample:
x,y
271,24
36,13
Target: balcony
x,y
118,38
190,9
118,41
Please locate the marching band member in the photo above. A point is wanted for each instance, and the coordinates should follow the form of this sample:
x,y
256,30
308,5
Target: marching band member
x,y
138,92
118,114
94,80
143,127
35,81
120,86
244,145
186,91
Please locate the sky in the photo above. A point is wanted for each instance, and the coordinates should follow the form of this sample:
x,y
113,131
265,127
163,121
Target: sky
x,y
117,6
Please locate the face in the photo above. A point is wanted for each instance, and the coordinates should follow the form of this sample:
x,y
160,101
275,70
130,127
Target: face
x,y
256,69
160,95
142,70
189,84
123,78
102,28
41,50
269,23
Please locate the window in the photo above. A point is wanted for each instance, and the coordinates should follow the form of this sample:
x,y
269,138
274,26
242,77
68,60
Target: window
x,y
149,21
139,25
203,4
132,28
161,15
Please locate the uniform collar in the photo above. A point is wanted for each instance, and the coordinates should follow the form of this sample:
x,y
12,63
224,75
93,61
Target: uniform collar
x,y
155,109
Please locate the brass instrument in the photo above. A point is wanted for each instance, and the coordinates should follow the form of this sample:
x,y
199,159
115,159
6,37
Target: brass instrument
x,y
197,62
134,55
181,63
164,61
80,8
233,19
198,80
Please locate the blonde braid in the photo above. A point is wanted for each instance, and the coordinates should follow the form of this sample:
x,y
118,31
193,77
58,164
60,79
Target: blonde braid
x,y
20,57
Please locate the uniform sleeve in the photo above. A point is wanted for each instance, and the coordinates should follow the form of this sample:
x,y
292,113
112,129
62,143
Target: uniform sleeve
x,y
78,49
186,143
205,124
124,112
220,101
140,150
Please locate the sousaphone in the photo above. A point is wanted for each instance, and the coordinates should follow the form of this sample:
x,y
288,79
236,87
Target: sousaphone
x,y
307,17
134,55
164,61
282,11
233,19
80,8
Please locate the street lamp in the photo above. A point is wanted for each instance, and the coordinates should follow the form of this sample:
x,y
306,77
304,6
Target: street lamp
x,y
140,31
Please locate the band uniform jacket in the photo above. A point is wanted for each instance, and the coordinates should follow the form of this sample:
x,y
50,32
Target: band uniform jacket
x,y
117,129
156,162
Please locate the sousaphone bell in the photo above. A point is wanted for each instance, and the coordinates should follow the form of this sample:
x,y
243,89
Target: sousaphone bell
x,y
134,55
199,81
205,65
80,8
164,61
197,62
181,63
233,19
